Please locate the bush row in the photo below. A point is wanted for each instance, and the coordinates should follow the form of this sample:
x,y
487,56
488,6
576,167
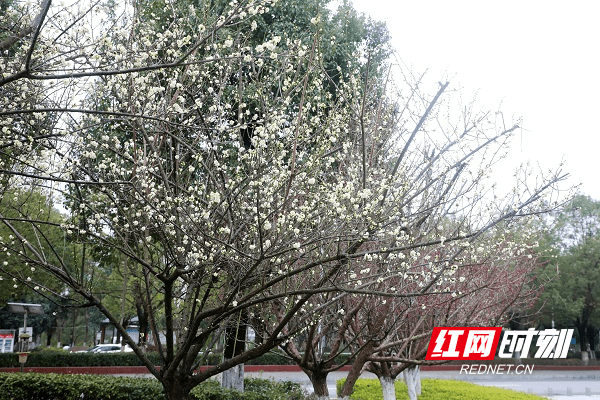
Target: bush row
x,y
33,386
64,359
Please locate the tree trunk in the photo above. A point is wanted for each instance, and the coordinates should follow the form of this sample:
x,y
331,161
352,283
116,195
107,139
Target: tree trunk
x,y
409,378
591,336
75,315
418,380
141,314
517,355
58,336
319,382
233,378
354,373
585,357
87,327
175,390
235,344
581,324
387,388
50,332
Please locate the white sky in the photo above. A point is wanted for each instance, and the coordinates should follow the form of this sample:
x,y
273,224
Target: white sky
x,y
540,59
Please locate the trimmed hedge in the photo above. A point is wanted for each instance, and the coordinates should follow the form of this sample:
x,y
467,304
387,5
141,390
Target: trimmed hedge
x,y
270,359
62,359
435,389
33,386
52,358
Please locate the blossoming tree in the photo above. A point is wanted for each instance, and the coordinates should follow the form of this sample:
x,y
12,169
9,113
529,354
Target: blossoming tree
x,y
489,282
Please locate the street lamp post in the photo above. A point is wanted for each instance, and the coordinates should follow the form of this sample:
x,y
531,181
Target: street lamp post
x,y
25,309
24,345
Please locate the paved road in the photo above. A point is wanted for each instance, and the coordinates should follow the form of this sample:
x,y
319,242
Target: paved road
x,y
557,385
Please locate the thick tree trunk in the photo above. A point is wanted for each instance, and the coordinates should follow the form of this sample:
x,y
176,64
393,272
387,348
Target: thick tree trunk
x,y
175,390
319,382
387,388
354,373
233,378
235,344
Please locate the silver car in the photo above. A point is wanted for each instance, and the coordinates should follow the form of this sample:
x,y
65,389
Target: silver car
x,y
109,348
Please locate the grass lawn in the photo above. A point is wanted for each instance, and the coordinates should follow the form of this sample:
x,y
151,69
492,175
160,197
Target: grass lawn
x,y
438,389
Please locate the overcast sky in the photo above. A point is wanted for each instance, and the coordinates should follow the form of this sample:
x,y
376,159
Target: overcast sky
x,y
540,59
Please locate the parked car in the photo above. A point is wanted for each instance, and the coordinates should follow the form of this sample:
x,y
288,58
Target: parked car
x,y
109,348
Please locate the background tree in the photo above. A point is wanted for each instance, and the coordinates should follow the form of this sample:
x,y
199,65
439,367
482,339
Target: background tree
x,y
572,295
17,283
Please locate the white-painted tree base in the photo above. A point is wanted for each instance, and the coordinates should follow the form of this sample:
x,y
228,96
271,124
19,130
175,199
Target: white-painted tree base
x,y
387,388
233,378
412,377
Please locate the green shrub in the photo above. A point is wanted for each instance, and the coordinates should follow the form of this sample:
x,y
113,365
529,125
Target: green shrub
x,y
32,386
271,358
9,360
271,390
211,390
278,358
63,359
70,387
434,389
53,357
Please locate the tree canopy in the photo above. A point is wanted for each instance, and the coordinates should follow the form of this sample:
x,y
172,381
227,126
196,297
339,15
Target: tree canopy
x,y
573,294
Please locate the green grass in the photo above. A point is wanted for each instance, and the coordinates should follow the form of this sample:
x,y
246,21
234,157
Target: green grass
x,y
437,389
